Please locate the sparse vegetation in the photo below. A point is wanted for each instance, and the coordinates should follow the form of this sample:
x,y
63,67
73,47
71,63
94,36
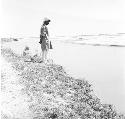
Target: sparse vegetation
x,y
56,95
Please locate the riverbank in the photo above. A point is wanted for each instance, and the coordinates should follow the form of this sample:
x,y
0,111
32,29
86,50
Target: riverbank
x,y
47,91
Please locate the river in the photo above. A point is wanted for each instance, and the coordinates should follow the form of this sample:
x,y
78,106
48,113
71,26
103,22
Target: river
x,y
102,66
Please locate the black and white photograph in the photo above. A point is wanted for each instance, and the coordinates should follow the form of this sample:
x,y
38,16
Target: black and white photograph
x,y
62,59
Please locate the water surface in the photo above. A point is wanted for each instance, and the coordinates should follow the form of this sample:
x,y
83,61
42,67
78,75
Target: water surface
x,y
103,67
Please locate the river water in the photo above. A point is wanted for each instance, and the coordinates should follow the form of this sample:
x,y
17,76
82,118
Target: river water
x,y
103,67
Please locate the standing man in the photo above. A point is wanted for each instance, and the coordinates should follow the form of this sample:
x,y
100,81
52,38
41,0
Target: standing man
x,y
44,39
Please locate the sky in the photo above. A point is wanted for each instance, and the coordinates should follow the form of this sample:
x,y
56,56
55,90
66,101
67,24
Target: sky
x,y
68,17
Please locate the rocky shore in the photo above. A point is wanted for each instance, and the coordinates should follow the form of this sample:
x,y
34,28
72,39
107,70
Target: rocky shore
x,y
50,93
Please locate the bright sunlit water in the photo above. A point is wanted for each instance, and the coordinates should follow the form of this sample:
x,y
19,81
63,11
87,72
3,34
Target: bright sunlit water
x,y
103,67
